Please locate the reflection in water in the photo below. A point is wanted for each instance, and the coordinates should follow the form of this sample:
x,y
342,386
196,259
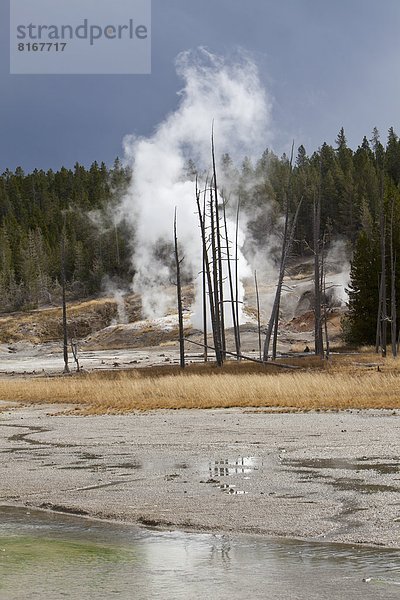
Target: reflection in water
x,y
238,466
49,557
231,489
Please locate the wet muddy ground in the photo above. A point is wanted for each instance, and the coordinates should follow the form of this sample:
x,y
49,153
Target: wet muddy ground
x,y
318,476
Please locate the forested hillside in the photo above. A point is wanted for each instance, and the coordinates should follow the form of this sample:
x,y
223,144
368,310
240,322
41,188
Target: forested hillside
x,y
354,188
33,210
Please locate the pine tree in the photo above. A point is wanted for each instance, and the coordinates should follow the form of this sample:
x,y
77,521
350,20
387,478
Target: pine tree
x,y
392,157
363,291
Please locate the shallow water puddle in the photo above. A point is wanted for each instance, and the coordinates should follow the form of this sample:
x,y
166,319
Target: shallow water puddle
x,y
231,489
49,557
316,468
240,467
386,467
236,466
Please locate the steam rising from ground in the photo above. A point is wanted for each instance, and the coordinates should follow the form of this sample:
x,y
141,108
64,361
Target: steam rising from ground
x,y
230,95
338,267
215,89
112,289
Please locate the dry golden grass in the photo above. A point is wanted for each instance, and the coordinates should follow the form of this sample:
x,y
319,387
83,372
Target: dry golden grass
x,y
325,387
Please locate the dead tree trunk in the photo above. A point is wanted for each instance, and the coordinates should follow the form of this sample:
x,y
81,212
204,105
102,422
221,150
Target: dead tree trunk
x,y
378,318
237,276
117,252
283,260
324,300
382,299
205,326
273,325
275,309
393,311
179,298
319,345
232,301
64,303
209,283
215,277
258,315
74,349
384,316
218,252
251,359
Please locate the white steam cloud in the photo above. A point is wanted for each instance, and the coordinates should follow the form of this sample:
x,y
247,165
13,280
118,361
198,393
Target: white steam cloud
x,y
117,294
338,268
215,89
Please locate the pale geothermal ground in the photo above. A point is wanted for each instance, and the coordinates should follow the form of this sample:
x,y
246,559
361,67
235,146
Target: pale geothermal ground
x,y
332,476
30,342
323,476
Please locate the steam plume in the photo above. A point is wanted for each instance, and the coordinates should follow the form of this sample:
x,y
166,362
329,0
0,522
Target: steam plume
x,y
215,89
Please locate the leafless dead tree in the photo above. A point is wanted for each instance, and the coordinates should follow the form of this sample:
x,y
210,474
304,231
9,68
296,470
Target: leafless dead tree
x,y
179,297
210,280
286,249
382,318
64,303
230,279
318,339
324,297
204,289
258,315
393,301
74,350
218,250
237,277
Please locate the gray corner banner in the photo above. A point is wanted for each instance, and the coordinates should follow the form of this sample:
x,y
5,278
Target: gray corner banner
x,y
80,37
